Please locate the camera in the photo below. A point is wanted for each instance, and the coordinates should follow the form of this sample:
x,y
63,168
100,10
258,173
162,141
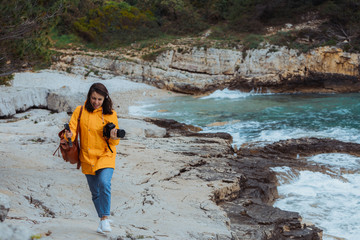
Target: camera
x,y
108,127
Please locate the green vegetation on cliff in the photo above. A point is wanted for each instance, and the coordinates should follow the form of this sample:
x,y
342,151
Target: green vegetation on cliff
x,y
115,22
30,27
24,32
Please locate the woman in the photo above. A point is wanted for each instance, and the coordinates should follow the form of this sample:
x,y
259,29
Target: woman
x,y
97,154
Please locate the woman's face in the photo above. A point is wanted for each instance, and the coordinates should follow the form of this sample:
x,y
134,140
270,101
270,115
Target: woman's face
x,y
96,100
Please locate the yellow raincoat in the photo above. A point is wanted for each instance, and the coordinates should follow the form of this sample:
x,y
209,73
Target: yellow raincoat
x,y
94,151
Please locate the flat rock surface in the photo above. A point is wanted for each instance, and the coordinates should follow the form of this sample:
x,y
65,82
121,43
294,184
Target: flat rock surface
x,y
171,181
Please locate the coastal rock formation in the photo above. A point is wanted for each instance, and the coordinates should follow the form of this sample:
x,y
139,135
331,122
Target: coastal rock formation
x,y
14,100
63,94
63,100
249,186
180,184
175,182
259,191
200,70
326,69
303,147
139,128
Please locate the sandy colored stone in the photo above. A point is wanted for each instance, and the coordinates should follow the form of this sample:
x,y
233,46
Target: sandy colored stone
x,y
50,196
269,68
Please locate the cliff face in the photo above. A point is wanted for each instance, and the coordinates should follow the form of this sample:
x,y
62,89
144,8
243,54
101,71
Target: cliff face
x,y
324,69
199,70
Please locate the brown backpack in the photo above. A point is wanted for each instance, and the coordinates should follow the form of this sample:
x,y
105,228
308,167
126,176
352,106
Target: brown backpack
x,y
70,154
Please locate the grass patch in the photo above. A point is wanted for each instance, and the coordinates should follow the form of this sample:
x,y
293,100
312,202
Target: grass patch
x,y
252,41
151,57
96,72
64,41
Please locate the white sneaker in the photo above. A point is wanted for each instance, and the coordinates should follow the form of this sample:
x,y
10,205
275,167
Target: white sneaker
x,y
111,222
105,225
99,230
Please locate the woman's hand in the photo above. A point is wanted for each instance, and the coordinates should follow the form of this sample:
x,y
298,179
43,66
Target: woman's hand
x,y
68,134
113,134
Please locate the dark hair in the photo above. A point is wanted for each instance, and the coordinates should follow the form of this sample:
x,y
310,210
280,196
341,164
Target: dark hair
x,y
100,89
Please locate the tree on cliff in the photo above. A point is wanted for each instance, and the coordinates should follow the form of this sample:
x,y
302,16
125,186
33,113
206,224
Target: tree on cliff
x,y
25,24
23,33
344,22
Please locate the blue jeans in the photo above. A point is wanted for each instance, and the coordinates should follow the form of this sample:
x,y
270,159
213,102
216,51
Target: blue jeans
x,y
100,187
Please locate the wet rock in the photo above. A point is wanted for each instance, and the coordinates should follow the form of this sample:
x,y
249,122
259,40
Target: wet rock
x,y
251,213
293,148
4,206
251,220
175,128
245,187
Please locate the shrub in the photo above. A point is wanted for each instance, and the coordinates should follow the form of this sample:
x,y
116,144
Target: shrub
x,y
113,20
6,80
282,38
74,9
175,16
24,32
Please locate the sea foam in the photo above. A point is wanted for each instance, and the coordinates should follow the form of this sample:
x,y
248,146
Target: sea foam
x,y
329,201
231,94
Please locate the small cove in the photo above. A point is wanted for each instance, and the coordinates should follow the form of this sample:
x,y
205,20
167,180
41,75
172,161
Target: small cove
x,y
261,119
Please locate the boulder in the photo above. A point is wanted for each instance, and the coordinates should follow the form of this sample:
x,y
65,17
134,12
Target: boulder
x,y
139,128
18,99
64,100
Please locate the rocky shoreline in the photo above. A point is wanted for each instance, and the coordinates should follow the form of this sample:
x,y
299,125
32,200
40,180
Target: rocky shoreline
x,y
170,182
249,197
203,70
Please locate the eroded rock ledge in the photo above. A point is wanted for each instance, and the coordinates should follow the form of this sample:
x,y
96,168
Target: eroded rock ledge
x,y
250,184
198,70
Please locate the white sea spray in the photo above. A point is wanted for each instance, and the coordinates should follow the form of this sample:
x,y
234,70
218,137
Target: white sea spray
x,y
329,202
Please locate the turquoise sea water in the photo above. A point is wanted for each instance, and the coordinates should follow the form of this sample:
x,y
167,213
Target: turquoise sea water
x,y
266,118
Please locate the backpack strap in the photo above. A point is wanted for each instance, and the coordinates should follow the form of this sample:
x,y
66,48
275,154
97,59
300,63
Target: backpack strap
x,y
57,150
77,133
